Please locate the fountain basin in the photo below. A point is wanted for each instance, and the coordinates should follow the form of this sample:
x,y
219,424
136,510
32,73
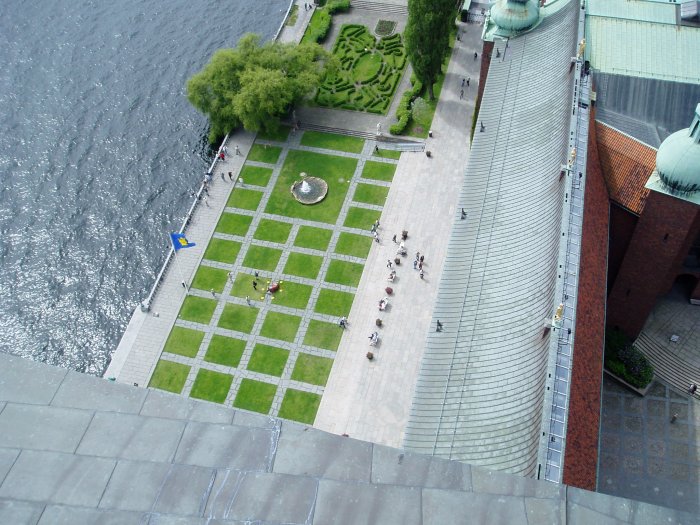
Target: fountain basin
x,y
309,190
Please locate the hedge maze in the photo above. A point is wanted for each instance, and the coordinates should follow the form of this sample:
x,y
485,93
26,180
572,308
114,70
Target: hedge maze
x,y
368,74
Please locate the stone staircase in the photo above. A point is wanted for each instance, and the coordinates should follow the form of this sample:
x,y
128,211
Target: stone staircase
x,y
361,134
389,9
670,367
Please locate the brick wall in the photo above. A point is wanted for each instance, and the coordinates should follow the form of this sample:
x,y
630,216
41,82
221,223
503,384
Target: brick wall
x,y
622,224
581,460
654,258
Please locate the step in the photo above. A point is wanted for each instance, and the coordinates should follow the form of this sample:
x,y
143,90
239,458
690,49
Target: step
x,y
673,370
378,6
363,134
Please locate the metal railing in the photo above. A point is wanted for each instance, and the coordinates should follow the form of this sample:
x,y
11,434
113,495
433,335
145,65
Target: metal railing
x,y
146,303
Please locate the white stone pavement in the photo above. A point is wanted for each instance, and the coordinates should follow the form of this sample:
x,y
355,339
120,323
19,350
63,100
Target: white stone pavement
x,y
371,401
141,345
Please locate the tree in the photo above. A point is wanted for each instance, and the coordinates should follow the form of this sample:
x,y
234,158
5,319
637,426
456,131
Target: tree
x,y
427,38
254,85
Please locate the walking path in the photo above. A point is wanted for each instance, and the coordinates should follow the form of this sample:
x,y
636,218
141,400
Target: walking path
x,y
371,400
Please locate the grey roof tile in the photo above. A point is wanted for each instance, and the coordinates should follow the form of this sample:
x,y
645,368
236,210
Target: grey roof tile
x,y
305,451
62,515
8,456
185,491
57,478
226,446
134,485
104,395
42,427
20,512
130,436
439,507
164,404
24,381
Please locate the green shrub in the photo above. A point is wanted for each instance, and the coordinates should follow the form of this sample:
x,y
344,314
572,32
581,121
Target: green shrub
x,y
318,27
335,6
403,111
626,361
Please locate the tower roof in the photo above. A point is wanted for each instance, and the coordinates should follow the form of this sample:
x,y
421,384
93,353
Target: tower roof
x,y
678,159
513,16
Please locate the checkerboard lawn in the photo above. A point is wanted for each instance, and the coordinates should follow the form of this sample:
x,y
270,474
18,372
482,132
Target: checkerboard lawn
x,y
244,199
336,171
303,265
343,272
197,309
183,341
255,395
313,238
225,351
333,302
387,154
361,218
353,244
273,231
221,250
379,170
255,175
280,326
264,153
169,376
293,295
234,224
240,318
211,386
371,194
262,258
208,278
323,335
268,360
312,369
319,139
300,406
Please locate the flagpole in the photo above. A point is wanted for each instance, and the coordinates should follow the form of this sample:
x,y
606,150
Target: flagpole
x,y
179,271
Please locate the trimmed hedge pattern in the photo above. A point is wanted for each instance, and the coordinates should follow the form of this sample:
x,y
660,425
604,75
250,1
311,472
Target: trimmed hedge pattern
x,y
403,111
353,87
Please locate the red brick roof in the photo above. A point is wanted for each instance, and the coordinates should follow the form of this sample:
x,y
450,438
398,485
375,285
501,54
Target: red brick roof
x,y
626,164
581,459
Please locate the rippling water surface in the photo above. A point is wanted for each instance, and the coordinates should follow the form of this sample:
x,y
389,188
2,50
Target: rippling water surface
x,y
99,150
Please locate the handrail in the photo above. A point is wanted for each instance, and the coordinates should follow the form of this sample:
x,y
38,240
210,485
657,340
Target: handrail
x,y
146,303
284,20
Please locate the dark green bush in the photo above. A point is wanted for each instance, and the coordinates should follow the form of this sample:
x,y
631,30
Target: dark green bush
x,y
403,111
624,360
336,6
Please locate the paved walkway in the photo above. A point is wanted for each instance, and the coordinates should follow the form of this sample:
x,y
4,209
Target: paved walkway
x,y
643,455
371,400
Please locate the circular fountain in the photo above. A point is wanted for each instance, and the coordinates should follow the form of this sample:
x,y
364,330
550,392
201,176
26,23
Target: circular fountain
x,y
309,190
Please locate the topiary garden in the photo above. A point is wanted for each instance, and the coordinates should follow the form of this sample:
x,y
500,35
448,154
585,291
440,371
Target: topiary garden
x,y
368,74
625,361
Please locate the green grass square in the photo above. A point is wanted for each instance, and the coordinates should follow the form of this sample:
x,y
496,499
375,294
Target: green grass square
x,y
212,386
293,295
279,135
319,139
323,335
273,231
264,153
299,406
256,175
336,171
169,376
243,286
387,154
312,369
208,278
197,309
379,171
255,395
221,250
343,272
268,360
361,218
244,199
352,244
333,302
240,318
303,265
225,351
183,341
371,194
234,224
262,258
280,326
313,238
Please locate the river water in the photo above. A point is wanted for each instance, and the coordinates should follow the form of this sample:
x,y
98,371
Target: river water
x,y
99,151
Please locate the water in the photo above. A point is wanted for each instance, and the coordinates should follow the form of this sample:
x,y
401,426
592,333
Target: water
x,y
99,150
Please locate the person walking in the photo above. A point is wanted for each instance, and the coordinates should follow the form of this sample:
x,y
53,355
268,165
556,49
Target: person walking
x,y
415,264
238,150
255,284
394,238
693,388
461,95
421,259
213,293
223,176
468,81
463,81
247,300
421,274
438,327
475,55
420,266
230,176
389,264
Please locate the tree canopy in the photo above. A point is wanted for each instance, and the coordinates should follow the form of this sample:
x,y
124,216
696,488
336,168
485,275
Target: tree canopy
x,y
427,38
254,85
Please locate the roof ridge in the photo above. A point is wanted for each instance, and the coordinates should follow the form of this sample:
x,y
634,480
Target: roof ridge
x,y
625,134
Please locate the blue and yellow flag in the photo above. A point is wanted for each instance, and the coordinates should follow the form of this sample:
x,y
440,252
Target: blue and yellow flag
x,y
179,241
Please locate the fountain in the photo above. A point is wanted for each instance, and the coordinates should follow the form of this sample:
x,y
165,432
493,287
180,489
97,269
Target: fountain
x,y
309,190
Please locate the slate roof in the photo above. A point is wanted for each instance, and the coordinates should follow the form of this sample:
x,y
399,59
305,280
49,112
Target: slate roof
x,y
80,449
479,395
627,165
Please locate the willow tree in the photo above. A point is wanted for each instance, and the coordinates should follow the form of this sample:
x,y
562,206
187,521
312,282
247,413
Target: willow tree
x,y
254,85
427,38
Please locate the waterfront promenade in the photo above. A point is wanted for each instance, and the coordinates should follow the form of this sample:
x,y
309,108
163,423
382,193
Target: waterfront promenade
x,y
367,400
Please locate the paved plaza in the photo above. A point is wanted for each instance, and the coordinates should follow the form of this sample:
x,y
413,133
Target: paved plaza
x,y
643,454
